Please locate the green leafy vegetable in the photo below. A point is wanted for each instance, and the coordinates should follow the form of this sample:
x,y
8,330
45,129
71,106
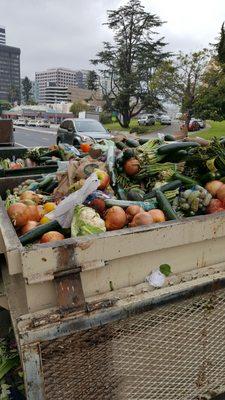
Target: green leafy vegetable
x,y
165,269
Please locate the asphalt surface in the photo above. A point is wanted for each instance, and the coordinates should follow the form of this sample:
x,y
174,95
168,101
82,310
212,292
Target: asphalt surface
x,y
32,137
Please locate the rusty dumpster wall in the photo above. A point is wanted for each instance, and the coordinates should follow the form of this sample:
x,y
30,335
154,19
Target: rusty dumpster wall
x,y
172,352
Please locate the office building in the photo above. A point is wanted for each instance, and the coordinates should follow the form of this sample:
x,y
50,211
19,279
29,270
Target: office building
x,y
55,94
60,77
9,73
2,35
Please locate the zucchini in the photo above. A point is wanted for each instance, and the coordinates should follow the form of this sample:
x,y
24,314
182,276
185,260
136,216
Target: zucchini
x,y
121,145
165,206
169,138
46,181
146,205
121,193
143,141
49,189
185,179
175,146
132,143
44,159
136,194
127,154
36,233
167,187
53,153
51,162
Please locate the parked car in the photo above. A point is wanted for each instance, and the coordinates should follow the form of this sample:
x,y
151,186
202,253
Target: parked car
x,y
146,120
43,123
32,122
201,123
78,130
165,120
19,122
193,125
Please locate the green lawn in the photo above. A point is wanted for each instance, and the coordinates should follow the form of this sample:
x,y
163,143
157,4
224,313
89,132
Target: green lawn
x,y
217,129
115,126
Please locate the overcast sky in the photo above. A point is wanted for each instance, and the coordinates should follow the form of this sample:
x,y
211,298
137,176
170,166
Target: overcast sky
x,y
67,33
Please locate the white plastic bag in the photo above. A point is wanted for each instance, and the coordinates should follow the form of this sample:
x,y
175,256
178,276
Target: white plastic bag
x,y
63,213
156,279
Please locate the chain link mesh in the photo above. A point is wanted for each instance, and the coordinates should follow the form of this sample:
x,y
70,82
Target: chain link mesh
x,y
174,352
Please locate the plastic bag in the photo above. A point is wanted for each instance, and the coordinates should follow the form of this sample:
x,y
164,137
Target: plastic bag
x,y
64,211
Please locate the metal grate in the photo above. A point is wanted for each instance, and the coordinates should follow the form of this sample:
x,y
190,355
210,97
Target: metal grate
x,y
174,352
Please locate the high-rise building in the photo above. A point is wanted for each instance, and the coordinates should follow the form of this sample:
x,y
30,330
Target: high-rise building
x,y
55,94
9,73
60,77
2,35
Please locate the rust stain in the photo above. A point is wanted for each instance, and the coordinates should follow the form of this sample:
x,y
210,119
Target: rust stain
x,y
65,257
84,246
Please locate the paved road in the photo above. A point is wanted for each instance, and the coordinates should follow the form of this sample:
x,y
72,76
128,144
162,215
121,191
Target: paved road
x,y
32,137
170,129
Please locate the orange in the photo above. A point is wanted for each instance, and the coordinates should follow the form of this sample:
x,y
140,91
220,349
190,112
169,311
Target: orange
x,y
44,220
48,207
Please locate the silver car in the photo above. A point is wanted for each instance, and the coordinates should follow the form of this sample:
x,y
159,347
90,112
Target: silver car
x,y
165,120
78,130
146,120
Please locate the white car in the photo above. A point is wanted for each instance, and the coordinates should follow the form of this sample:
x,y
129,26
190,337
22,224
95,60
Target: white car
x,y
32,122
201,123
19,122
165,120
146,120
43,124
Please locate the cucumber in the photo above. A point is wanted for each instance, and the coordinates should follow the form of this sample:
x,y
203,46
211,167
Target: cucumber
x,y
36,233
46,181
53,153
175,146
132,143
143,141
185,179
165,206
167,187
44,158
121,193
169,138
127,154
51,162
146,205
135,195
49,189
121,145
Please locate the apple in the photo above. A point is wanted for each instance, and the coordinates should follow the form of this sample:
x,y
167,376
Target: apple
x,y
103,177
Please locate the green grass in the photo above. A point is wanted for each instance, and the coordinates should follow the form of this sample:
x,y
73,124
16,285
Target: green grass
x,y
216,129
115,126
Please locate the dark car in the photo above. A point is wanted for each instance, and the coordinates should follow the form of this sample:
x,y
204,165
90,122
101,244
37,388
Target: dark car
x,y
77,130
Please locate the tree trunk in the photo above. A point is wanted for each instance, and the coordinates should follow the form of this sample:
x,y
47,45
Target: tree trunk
x,y
125,122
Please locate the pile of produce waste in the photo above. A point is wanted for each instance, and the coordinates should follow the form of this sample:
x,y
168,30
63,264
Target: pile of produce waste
x,y
119,185
38,156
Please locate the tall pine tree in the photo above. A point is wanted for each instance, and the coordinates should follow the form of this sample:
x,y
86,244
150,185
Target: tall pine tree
x,y
130,61
221,48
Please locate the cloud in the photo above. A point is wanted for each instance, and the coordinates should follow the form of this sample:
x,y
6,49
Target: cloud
x,y
68,33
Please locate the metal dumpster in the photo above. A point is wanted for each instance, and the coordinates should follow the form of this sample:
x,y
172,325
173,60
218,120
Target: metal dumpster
x,y
6,132
88,326
17,152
